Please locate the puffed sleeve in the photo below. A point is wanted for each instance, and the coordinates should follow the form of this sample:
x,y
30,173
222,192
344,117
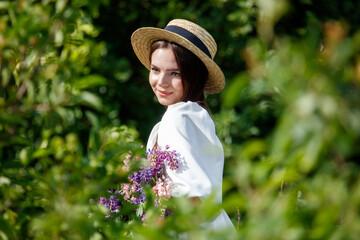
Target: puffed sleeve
x,y
188,129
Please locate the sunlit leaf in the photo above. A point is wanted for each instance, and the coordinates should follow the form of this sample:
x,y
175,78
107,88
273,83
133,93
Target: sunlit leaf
x,y
90,81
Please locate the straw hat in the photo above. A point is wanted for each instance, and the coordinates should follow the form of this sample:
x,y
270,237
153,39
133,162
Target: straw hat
x,y
189,35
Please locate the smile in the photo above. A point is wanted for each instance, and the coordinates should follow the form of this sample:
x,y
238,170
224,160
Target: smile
x,y
163,93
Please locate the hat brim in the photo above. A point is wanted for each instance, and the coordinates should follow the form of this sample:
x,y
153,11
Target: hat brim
x,y
143,38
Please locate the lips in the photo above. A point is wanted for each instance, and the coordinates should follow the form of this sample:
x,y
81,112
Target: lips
x,y
163,93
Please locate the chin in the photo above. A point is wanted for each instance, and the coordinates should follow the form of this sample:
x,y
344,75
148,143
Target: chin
x,y
165,102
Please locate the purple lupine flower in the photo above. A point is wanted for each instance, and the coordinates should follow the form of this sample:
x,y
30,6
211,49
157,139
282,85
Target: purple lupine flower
x,y
142,176
114,204
158,158
155,173
102,201
139,199
168,212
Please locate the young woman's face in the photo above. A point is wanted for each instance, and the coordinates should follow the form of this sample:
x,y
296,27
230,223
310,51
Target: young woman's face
x,y
165,78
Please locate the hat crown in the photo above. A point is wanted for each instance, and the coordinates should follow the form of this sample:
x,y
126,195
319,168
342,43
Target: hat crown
x,y
199,32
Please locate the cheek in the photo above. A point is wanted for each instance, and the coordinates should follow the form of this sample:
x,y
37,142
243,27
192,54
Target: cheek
x,y
178,86
152,80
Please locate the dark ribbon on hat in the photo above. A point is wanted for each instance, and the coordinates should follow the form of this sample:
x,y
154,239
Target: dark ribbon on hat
x,y
189,36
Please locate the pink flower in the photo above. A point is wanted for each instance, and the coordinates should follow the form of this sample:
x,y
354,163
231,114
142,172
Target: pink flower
x,y
126,190
162,189
126,166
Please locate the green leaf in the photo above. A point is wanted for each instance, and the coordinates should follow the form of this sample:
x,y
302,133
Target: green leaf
x,y
90,99
233,92
41,153
90,81
11,118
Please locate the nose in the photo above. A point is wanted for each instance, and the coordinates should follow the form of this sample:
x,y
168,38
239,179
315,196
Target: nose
x,y
163,81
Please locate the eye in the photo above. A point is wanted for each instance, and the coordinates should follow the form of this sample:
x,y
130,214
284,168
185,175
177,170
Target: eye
x,y
175,74
154,69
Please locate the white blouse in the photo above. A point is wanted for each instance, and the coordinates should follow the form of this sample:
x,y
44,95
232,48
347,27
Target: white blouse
x,y
188,128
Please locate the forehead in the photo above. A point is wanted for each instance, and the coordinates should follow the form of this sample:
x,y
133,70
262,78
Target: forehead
x,y
164,57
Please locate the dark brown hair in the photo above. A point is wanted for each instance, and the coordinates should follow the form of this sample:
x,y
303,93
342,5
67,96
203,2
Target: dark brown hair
x,y
192,71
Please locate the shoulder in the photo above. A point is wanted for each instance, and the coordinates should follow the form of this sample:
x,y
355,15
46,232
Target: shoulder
x,y
188,115
189,110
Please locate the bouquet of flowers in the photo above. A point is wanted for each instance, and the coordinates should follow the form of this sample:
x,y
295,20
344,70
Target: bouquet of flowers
x,y
151,174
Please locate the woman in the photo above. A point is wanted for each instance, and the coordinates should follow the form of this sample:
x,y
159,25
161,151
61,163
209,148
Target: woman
x,y
182,70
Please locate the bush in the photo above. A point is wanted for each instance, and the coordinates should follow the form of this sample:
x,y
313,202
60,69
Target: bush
x,y
69,113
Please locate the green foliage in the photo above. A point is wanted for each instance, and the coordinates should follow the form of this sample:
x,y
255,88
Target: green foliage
x,y
301,180
74,100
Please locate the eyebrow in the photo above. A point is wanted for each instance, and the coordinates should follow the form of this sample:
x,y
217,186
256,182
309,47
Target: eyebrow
x,y
170,69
